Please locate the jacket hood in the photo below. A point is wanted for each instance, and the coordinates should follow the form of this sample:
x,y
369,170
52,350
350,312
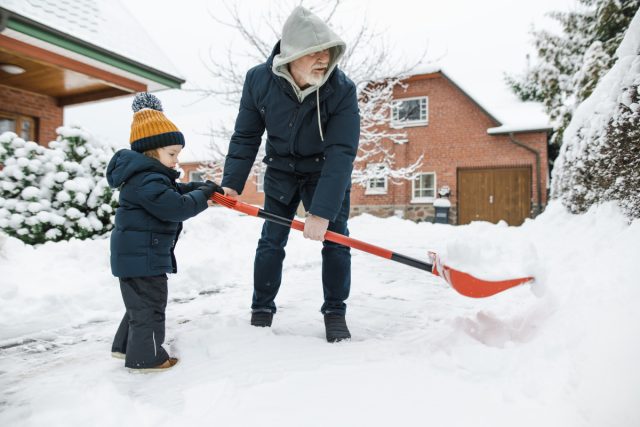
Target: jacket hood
x,y
127,163
304,33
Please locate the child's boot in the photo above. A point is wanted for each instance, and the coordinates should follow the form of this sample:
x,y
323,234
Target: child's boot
x,y
164,366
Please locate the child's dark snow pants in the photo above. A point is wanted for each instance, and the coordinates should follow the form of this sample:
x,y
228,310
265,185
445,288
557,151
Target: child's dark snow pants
x,y
141,332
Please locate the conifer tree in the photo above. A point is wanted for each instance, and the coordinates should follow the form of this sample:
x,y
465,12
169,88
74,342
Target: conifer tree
x,y
599,159
571,63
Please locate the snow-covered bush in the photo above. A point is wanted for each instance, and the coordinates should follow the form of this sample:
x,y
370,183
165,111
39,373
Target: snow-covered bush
x,y
600,157
55,193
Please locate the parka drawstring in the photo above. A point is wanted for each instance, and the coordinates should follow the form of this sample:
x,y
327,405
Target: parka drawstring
x,y
318,109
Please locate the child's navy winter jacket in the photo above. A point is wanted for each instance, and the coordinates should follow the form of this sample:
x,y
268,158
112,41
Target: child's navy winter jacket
x,y
149,218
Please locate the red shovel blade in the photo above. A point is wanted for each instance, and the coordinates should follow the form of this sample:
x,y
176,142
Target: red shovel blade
x,y
470,286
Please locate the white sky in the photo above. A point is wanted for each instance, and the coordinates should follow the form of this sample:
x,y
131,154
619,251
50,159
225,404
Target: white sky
x,y
475,42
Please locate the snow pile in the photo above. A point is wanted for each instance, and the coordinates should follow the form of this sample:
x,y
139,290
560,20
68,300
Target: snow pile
x,y
516,256
560,352
600,157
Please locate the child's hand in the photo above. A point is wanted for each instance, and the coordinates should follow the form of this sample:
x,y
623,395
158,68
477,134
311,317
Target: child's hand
x,y
209,188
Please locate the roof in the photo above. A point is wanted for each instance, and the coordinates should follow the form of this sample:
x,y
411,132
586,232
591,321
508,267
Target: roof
x,y
102,30
505,129
518,117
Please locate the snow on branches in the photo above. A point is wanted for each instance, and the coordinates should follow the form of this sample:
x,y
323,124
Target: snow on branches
x,y
55,193
600,156
570,63
369,62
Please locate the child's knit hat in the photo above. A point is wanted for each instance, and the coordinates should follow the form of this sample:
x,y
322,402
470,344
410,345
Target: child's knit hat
x,y
150,128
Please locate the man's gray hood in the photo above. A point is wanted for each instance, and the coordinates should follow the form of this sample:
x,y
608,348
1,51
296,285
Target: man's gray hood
x,y
304,33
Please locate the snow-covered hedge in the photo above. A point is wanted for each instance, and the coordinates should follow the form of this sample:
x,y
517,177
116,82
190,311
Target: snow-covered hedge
x,y
55,193
600,156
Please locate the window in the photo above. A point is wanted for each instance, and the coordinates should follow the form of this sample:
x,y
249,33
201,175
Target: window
x,y
260,179
410,112
23,126
7,125
377,184
423,188
196,176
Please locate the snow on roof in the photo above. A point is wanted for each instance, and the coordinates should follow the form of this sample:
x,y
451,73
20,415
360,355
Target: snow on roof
x,y
516,116
518,129
103,23
521,117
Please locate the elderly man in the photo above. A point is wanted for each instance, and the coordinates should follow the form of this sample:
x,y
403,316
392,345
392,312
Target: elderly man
x,y
309,109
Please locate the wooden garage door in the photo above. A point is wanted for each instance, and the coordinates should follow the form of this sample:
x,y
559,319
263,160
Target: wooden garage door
x,y
494,194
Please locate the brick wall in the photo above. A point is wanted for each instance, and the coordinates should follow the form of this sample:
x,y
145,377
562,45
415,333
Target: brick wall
x,y
43,108
455,137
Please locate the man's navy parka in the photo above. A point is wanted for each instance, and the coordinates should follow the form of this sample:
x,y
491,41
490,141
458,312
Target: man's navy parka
x,y
294,144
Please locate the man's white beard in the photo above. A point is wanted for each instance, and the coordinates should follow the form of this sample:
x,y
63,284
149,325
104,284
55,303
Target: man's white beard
x,y
314,79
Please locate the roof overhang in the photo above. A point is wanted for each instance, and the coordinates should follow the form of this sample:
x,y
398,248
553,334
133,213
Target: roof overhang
x,y
505,129
70,69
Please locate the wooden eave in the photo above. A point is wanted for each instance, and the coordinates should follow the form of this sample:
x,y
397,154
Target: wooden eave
x,y
70,80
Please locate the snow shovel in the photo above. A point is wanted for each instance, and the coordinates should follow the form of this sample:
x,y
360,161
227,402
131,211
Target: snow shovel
x,y
463,283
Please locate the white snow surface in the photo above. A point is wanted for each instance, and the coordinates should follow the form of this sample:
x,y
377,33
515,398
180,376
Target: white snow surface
x,y
562,351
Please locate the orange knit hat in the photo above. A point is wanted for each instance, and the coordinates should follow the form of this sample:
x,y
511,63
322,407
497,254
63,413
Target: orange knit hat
x,y
150,128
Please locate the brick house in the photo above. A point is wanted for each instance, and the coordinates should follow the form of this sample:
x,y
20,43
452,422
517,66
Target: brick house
x,y
55,54
492,171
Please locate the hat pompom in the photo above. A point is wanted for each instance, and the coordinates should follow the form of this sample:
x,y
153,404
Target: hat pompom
x,y
146,100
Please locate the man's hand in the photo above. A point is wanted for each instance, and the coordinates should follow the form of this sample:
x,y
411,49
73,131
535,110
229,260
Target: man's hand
x,y
315,227
230,192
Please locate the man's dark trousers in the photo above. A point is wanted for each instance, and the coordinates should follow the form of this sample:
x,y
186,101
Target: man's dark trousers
x,y
336,259
141,332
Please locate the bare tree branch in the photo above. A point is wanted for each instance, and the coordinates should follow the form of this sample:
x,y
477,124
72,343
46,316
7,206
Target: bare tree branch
x,y
368,61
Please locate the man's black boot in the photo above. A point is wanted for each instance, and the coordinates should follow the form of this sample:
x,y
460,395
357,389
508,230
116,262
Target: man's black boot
x,y
336,327
261,318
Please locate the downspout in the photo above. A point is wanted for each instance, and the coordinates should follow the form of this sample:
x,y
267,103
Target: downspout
x,y
4,18
538,179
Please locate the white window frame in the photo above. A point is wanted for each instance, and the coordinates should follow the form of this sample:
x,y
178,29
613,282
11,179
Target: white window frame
x,y
376,190
427,199
397,123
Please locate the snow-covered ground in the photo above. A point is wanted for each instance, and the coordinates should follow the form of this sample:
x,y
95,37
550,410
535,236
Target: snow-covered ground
x,y
561,352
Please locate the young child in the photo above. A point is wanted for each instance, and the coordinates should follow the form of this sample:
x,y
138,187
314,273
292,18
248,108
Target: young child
x,y
148,222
